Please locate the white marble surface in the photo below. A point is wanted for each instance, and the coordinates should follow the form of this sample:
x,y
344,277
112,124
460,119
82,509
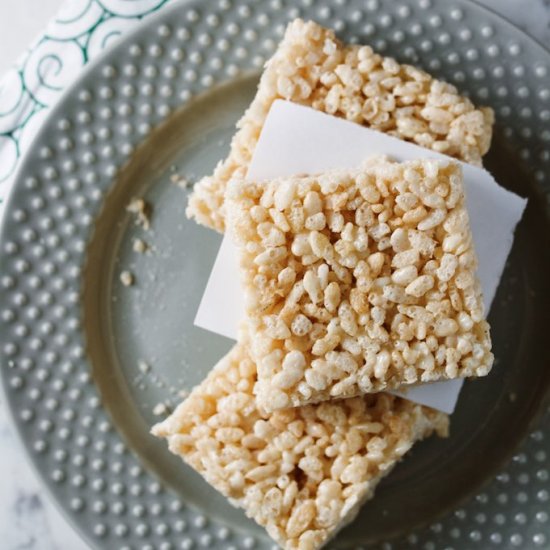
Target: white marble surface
x,y
28,518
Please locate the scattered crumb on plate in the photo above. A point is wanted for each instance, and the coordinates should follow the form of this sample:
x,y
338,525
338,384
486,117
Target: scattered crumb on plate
x,y
127,278
140,246
159,409
142,211
143,366
180,181
512,397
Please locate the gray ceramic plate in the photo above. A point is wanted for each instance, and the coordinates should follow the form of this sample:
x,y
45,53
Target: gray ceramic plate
x,y
72,335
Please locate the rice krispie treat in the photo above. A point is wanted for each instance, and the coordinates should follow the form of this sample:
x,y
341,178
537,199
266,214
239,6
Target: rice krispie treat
x,y
313,68
301,473
358,281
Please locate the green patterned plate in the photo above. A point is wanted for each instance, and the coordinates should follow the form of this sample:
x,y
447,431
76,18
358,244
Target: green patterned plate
x,y
85,359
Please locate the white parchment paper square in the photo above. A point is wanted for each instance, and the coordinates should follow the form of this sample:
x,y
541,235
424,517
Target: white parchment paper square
x,y
301,140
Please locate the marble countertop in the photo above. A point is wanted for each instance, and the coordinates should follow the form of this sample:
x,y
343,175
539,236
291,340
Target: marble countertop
x,y
28,519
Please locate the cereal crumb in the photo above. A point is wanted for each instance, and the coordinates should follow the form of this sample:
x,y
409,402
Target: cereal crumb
x,y
512,396
143,366
140,246
142,210
127,278
180,181
160,409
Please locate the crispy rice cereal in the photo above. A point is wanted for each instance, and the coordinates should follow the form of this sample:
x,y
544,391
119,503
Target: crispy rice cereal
x,y
313,68
301,473
359,281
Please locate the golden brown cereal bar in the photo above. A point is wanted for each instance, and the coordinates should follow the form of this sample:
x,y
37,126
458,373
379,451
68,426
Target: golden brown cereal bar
x,y
301,473
358,281
313,68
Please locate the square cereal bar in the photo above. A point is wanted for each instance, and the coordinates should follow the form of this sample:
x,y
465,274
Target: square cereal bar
x,y
313,68
301,473
358,281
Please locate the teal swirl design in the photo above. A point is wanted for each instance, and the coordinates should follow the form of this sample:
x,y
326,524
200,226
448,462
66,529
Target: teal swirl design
x,y
81,30
75,19
15,104
106,32
131,8
50,67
